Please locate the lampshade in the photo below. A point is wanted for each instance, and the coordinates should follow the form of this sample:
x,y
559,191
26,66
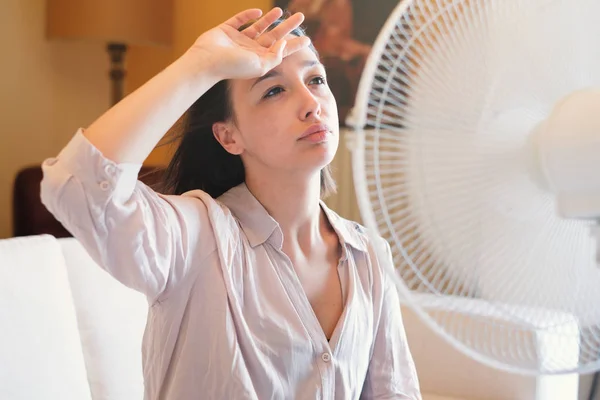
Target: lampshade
x,y
137,22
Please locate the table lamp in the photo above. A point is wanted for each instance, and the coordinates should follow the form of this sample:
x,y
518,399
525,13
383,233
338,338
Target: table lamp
x,y
118,23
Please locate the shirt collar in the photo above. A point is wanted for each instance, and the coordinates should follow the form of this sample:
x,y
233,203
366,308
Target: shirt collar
x,y
260,227
349,232
254,219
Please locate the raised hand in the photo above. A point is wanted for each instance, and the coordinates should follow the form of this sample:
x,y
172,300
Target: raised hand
x,y
251,52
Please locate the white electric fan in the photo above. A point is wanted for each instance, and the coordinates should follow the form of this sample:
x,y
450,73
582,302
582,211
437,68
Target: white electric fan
x,y
476,154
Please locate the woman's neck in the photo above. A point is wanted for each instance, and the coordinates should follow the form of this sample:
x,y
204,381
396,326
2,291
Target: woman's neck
x,y
295,205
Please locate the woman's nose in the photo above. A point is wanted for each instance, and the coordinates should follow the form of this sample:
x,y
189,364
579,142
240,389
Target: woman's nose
x,y
310,105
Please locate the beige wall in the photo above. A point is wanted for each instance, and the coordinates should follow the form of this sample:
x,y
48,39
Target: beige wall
x,y
192,17
47,90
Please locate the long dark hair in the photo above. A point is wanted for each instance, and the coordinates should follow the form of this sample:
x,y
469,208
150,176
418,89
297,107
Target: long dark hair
x,y
200,162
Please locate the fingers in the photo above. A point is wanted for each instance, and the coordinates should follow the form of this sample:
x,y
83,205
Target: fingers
x,y
262,24
274,55
295,44
283,48
267,39
257,30
279,48
241,18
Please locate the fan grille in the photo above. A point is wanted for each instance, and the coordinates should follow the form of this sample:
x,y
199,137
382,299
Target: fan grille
x,y
452,180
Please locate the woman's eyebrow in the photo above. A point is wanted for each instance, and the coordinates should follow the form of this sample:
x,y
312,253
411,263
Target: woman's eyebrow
x,y
310,63
271,74
274,72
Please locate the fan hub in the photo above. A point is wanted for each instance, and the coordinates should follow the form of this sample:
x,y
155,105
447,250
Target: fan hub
x,y
568,145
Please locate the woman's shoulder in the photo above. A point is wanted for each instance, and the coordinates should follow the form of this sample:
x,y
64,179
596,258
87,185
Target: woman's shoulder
x,y
216,210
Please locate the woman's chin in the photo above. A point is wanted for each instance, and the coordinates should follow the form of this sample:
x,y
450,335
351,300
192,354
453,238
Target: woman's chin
x,y
327,149
316,157
324,157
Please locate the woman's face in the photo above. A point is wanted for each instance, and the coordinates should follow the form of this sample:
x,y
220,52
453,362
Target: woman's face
x,y
276,114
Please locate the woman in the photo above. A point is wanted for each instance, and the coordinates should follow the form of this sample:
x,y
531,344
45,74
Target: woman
x,y
256,290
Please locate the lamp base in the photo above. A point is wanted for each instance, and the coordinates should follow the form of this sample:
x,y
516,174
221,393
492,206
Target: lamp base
x,y
117,52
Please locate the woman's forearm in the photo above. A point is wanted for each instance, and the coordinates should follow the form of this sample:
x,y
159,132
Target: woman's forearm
x,y
128,131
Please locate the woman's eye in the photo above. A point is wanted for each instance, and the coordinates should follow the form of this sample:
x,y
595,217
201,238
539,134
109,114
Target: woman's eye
x,y
273,92
319,80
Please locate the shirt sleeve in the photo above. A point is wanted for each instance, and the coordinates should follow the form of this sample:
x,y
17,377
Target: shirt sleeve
x,y
142,238
392,373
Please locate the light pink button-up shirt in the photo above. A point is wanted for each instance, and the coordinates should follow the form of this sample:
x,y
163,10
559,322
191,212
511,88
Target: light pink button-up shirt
x,y
228,317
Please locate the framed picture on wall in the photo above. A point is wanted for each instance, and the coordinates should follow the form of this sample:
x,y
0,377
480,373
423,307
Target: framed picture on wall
x,y
343,32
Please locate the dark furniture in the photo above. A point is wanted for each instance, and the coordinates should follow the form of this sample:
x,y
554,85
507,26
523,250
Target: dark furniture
x,y
30,216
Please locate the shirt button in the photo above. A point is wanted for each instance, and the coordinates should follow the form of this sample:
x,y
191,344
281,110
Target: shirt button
x,y
104,185
109,169
326,357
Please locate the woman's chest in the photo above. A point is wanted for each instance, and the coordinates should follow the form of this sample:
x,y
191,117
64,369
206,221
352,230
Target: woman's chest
x,y
282,310
254,309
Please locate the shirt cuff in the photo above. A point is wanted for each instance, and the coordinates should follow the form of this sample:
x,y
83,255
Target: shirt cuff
x,y
97,173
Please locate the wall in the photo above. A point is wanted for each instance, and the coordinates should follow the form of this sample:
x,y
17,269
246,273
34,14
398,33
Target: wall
x,y
192,17
47,90
50,88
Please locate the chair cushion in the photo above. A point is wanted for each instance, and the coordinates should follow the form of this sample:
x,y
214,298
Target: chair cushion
x,y
112,319
40,347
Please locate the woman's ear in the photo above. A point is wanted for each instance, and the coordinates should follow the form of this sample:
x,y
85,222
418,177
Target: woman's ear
x,y
227,136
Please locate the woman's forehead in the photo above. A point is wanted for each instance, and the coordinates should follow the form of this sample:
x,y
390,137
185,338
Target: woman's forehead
x,y
301,60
